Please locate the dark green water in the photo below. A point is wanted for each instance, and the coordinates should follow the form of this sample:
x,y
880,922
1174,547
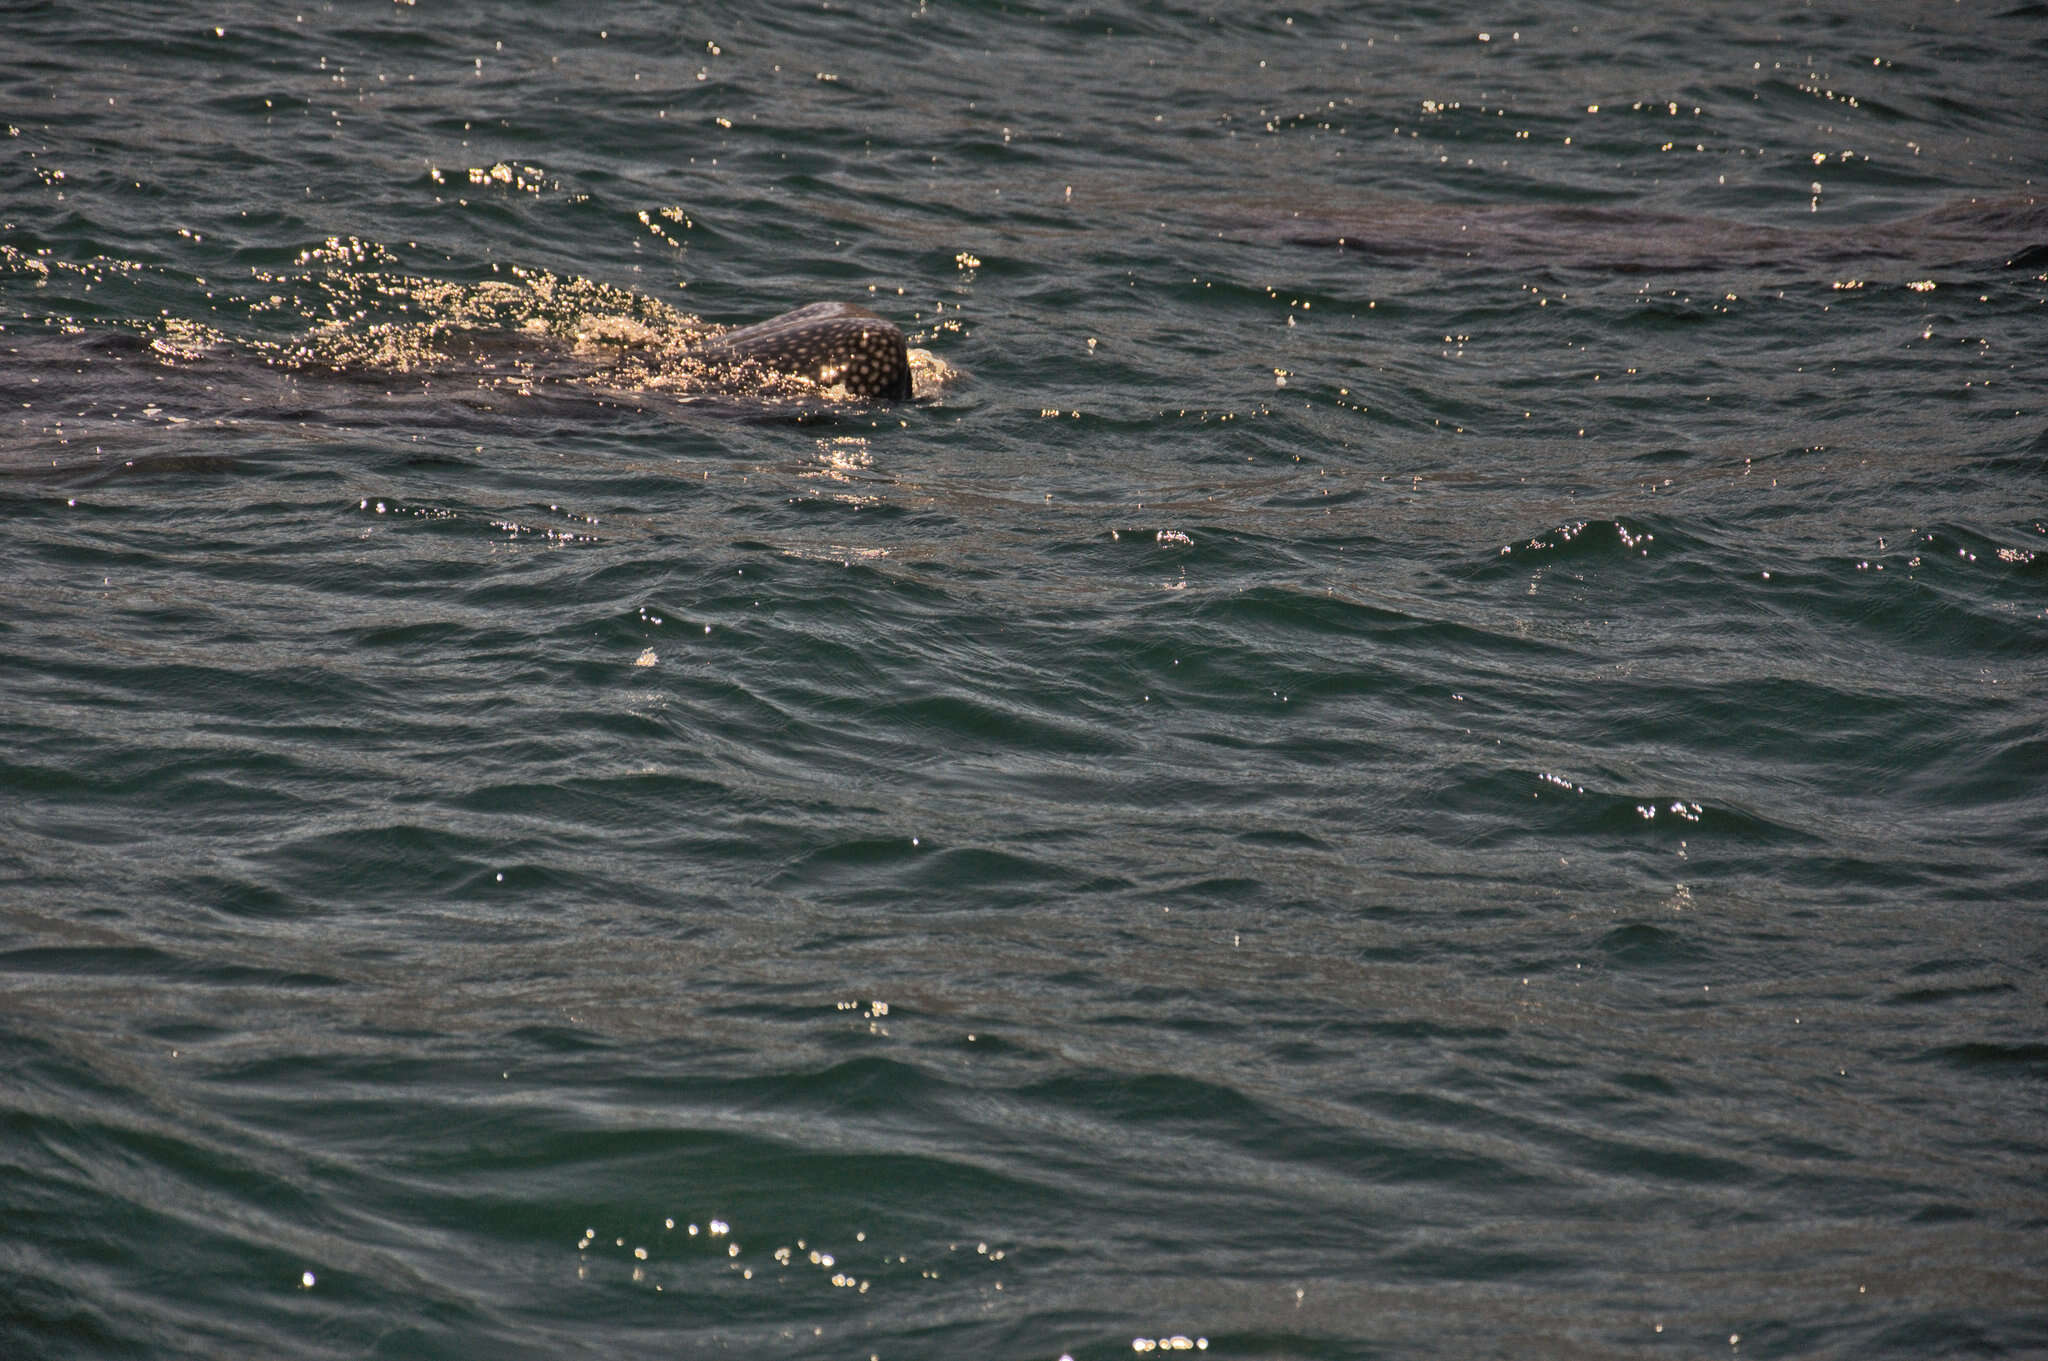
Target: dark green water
x,y
1437,750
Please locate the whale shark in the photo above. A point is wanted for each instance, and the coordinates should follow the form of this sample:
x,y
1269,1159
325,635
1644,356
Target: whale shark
x,y
833,344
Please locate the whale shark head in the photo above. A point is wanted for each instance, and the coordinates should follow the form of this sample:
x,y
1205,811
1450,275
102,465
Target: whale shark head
x,y
834,344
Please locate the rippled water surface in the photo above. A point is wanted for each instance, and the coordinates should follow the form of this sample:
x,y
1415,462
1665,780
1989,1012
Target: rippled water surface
x,y
1428,741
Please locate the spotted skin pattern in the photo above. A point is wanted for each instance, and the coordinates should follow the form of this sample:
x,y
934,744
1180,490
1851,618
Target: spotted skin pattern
x,y
834,344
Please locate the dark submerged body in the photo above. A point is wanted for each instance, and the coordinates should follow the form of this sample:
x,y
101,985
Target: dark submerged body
x,y
501,369
1615,240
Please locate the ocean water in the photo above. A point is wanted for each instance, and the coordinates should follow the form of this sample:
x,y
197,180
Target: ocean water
x,y
1429,741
